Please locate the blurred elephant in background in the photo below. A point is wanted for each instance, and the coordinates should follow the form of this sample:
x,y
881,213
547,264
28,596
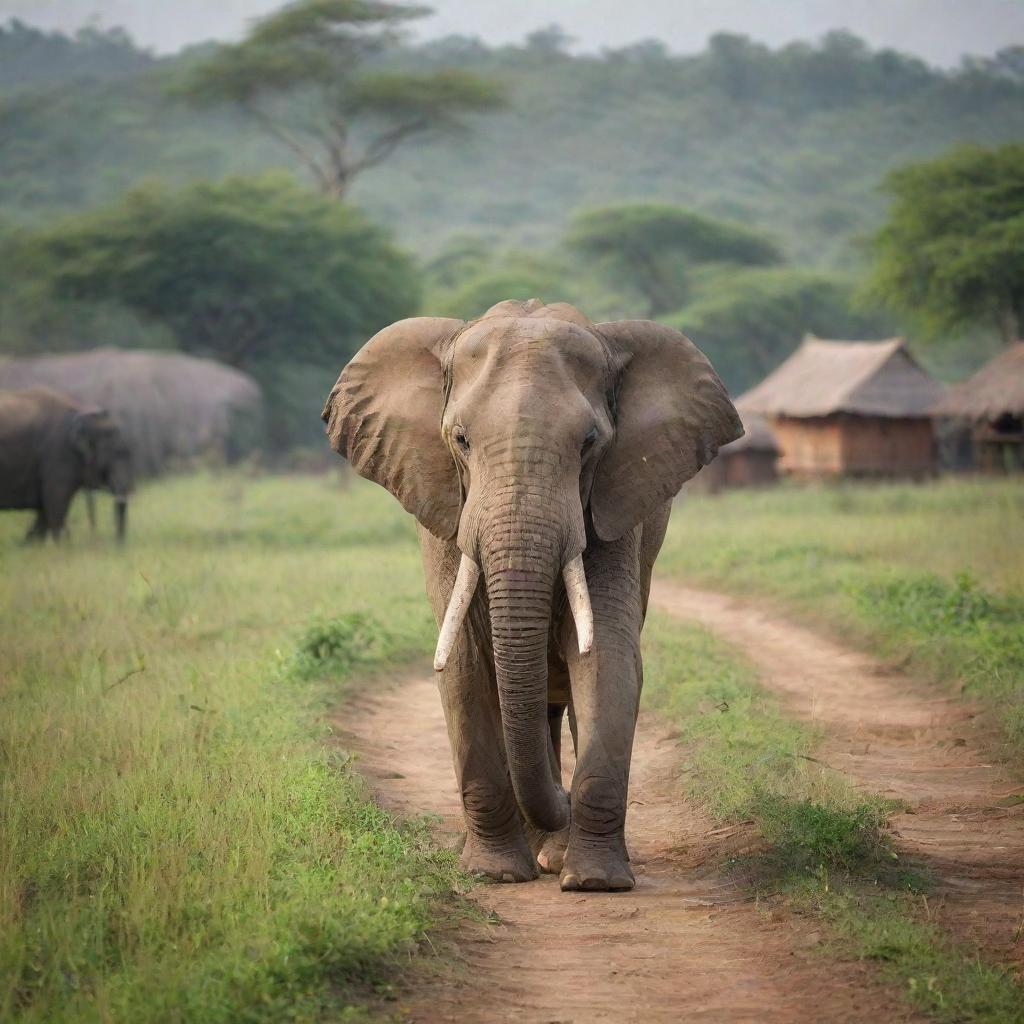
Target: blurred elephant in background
x,y
539,451
50,447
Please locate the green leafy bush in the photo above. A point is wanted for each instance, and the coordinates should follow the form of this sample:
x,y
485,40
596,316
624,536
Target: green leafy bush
x,y
333,647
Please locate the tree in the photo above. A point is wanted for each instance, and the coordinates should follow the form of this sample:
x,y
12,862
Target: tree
x,y
297,74
654,245
511,275
246,270
952,250
749,321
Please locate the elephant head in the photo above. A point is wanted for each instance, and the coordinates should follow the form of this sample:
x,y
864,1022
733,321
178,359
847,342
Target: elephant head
x,y
520,435
105,459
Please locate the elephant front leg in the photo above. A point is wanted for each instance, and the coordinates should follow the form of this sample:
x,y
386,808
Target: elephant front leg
x,y
606,694
496,845
549,847
37,531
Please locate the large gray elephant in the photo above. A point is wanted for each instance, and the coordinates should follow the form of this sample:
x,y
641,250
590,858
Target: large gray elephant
x,y
541,451
50,447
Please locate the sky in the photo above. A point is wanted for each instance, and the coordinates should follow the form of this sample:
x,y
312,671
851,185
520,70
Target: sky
x,y
940,31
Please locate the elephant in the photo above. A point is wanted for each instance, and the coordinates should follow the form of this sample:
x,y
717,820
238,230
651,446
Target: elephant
x,y
50,447
541,452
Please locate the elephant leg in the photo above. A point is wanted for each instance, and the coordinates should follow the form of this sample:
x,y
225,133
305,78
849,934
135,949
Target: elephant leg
x,y
57,497
496,845
550,846
90,508
605,699
37,531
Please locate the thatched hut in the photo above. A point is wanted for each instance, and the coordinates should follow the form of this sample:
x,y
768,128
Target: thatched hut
x,y
171,407
749,461
850,408
992,402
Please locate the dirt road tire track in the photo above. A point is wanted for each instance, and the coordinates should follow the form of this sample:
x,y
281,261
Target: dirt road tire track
x,y
890,735
685,945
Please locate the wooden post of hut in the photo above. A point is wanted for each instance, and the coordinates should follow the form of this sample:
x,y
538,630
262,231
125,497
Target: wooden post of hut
x,y
850,408
992,403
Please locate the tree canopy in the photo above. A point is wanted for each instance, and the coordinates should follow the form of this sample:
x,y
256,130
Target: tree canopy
x,y
749,321
655,245
952,250
244,270
310,52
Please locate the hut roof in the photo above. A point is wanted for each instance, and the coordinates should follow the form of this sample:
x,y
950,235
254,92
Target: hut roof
x,y
757,434
866,378
169,405
995,390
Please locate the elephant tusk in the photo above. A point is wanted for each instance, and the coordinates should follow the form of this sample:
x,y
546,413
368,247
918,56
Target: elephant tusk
x,y
579,602
465,586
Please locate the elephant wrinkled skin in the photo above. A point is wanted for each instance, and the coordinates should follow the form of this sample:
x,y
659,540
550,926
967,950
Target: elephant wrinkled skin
x,y
539,452
50,447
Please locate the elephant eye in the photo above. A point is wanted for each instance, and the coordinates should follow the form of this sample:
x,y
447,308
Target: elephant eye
x,y
460,439
589,439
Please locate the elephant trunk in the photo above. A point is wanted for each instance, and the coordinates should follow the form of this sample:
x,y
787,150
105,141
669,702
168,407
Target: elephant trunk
x,y
520,592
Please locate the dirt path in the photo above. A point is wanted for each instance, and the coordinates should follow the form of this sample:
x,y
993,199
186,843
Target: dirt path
x,y
684,945
889,736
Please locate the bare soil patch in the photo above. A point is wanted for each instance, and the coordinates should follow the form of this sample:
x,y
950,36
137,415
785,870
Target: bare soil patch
x,y
686,944
889,734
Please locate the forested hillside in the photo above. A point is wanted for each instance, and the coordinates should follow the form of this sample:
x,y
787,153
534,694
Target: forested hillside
x,y
729,194
794,140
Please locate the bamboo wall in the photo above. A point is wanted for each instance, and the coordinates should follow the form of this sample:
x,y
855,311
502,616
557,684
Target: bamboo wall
x,y
846,445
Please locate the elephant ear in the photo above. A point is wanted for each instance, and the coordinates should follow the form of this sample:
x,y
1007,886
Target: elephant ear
x,y
85,431
384,416
672,414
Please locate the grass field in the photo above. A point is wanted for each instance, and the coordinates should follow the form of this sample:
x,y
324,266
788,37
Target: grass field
x,y
180,839
932,576
177,841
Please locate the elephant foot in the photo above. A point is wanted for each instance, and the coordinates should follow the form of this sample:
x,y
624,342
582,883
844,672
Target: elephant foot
x,y
551,855
507,860
597,869
548,847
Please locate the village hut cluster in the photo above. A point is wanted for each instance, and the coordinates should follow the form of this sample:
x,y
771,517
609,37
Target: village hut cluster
x,y
172,408
991,405
869,410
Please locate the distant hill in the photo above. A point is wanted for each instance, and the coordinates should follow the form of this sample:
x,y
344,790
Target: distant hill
x,y
794,140
30,58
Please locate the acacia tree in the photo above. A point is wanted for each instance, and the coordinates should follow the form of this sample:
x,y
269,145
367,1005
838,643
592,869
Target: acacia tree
x,y
246,270
653,246
298,75
952,250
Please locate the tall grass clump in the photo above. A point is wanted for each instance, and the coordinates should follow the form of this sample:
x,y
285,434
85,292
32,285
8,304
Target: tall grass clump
x,y
178,841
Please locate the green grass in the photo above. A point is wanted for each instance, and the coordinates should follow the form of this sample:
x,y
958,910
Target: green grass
x,y
892,930
748,761
180,839
931,575
826,850
177,840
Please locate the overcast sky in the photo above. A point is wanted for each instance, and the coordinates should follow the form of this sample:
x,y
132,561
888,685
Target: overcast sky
x,y
938,30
